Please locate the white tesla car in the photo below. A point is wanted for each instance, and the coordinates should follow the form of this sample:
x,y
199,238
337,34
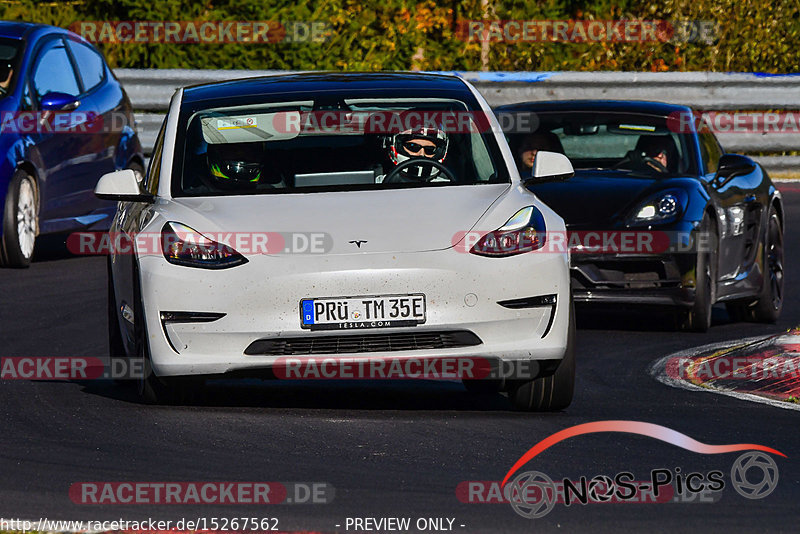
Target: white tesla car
x,y
338,217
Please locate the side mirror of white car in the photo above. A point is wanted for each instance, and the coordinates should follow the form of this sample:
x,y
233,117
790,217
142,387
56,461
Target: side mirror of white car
x,y
551,166
121,186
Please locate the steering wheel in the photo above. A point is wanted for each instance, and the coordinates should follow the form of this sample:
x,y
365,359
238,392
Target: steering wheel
x,y
636,159
394,175
657,165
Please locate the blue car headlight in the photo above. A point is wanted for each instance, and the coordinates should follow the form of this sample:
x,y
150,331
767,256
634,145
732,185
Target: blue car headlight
x,y
665,206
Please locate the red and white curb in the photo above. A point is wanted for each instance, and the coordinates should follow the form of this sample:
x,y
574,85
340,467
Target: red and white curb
x,y
755,369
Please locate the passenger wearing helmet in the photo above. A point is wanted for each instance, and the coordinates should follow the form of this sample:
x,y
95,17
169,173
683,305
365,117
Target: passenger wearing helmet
x,y
419,143
233,166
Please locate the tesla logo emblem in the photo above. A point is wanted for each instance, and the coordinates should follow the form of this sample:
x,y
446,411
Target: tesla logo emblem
x,y
357,243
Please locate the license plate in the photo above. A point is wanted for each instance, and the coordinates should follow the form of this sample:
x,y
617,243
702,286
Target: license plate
x,y
362,312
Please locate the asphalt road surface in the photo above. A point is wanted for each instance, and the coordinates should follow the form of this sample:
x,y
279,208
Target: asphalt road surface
x,y
395,449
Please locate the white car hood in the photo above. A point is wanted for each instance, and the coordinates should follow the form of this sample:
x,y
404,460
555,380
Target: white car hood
x,y
396,220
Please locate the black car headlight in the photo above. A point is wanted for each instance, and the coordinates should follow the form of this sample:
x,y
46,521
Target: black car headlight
x,y
665,206
186,246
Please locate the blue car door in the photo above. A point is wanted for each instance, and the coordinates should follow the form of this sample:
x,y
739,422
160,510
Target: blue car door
x,y
66,147
102,94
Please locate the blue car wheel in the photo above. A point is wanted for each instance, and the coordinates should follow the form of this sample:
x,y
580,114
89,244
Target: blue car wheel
x,y
20,221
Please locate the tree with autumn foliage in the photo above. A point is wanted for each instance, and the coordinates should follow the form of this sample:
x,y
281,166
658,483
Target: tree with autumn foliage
x,y
748,35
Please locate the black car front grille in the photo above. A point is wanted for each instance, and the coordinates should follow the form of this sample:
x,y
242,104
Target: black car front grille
x,y
631,273
352,344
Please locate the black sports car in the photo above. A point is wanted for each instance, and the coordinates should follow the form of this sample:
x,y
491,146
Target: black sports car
x,y
652,174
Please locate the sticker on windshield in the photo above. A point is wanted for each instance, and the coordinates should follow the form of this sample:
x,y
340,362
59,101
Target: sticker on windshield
x,y
250,128
637,127
233,123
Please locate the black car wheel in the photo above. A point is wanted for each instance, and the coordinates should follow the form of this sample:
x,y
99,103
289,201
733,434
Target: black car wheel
x,y
549,393
20,221
698,317
768,307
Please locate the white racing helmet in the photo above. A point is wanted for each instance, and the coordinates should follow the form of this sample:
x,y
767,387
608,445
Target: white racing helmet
x,y
398,151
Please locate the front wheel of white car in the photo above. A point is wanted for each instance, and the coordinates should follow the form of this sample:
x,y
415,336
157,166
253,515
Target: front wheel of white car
x,y
151,388
549,393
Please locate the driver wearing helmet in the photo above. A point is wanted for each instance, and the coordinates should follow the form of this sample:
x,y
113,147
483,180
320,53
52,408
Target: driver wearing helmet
x,y
419,143
233,166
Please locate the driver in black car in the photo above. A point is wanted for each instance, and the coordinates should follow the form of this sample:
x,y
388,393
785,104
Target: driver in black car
x,y
656,151
420,143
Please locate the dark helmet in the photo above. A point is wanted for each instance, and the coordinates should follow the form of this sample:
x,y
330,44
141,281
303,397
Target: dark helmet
x,y
652,145
234,165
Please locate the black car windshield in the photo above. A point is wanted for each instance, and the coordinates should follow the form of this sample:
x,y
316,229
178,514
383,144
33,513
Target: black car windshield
x,y
10,52
352,144
638,144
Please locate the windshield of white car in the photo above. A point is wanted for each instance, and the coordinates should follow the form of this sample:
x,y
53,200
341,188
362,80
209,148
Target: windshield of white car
x,y
639,145
353,144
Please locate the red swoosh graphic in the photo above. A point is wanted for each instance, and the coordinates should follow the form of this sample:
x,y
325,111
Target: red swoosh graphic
x,y
634,427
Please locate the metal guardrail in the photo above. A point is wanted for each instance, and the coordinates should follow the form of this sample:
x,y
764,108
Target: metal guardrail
x,y
150,91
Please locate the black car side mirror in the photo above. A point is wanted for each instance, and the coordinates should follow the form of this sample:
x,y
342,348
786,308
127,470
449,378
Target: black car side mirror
x,y
732,165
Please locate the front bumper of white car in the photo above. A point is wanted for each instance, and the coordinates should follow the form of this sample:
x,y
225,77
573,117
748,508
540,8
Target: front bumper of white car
x,y
207,322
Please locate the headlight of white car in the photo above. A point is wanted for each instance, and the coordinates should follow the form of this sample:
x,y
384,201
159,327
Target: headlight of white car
x,y
524,232
186,246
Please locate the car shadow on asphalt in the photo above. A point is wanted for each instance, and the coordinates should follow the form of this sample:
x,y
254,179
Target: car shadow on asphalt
x,y
52,247
639,319
333,395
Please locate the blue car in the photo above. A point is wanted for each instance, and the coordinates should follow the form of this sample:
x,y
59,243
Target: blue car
x,y
64,122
